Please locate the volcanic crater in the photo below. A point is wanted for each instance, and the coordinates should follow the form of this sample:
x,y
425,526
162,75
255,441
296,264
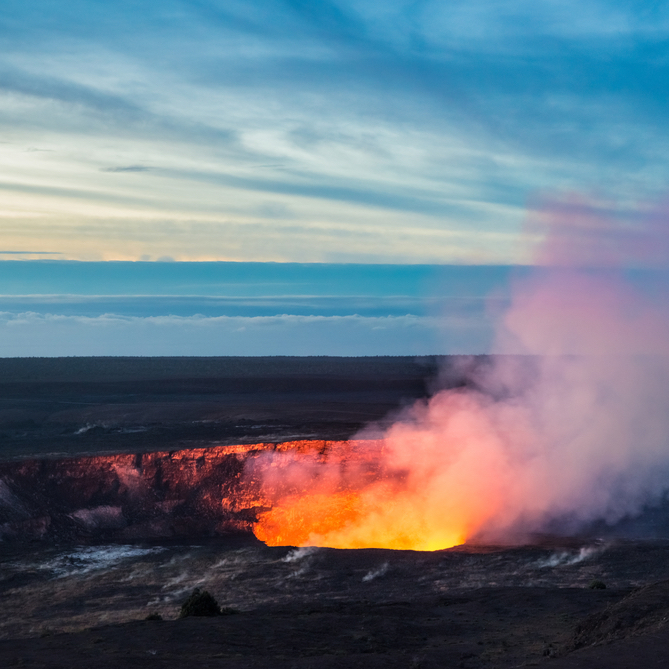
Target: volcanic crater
x,y
127,483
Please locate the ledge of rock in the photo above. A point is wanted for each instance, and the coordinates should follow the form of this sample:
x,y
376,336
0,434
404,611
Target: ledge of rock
x,y
182,494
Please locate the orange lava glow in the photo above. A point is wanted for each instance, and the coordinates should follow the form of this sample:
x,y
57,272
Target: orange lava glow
x,y
363,495
296,519
370,519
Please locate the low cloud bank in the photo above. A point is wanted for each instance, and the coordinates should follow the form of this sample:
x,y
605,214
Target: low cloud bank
x,y
33,334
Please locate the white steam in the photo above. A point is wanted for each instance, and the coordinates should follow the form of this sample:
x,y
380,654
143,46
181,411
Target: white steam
x,y
573,428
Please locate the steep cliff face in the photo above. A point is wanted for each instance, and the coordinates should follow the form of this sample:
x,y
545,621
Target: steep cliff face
x,y
180,494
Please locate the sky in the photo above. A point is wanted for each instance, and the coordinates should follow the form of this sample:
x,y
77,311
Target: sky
x,y
361,134
61,307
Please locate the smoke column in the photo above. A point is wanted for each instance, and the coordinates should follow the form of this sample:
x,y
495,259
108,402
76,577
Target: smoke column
x,y
571,429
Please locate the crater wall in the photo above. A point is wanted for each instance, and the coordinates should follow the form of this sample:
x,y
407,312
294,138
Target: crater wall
x,y
183,494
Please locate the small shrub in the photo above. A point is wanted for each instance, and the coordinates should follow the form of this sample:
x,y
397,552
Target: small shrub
x,y
200,603
153,616
597,585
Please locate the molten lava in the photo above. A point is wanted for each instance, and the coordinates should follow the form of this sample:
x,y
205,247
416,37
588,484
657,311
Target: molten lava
x,y
348,495
351,520
298,518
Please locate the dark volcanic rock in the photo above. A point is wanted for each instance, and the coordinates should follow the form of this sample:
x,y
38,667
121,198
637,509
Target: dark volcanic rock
x,y
200,604
184,493
644,609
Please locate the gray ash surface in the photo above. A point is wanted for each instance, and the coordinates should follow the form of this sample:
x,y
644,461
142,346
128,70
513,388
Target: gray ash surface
x,y
314,607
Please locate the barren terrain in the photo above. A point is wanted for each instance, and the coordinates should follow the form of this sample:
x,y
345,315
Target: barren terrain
x,y
77,595
60,406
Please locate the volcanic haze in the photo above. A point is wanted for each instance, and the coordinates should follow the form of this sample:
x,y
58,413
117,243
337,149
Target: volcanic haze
x,y
571,430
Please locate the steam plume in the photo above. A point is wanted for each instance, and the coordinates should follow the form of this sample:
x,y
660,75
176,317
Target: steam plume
x,y
572,429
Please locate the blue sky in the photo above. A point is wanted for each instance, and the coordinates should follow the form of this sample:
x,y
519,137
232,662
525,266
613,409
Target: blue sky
x,y
323,131
365,132
60,307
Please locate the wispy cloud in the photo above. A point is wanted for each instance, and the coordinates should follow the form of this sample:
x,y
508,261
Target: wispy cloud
x,y
126,168
32,334
438,117
30,253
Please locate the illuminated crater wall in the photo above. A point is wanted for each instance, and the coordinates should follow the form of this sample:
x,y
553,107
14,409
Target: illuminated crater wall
x,y
390,493
190,493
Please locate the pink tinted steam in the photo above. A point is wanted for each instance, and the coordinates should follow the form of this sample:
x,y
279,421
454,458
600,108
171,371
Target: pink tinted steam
x,y
582,437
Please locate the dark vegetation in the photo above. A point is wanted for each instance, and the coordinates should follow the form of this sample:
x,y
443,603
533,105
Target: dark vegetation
x,y
91,405
107,369
200,603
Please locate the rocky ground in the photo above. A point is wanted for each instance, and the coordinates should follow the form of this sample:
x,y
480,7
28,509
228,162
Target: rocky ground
x,y
476,607
79,595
